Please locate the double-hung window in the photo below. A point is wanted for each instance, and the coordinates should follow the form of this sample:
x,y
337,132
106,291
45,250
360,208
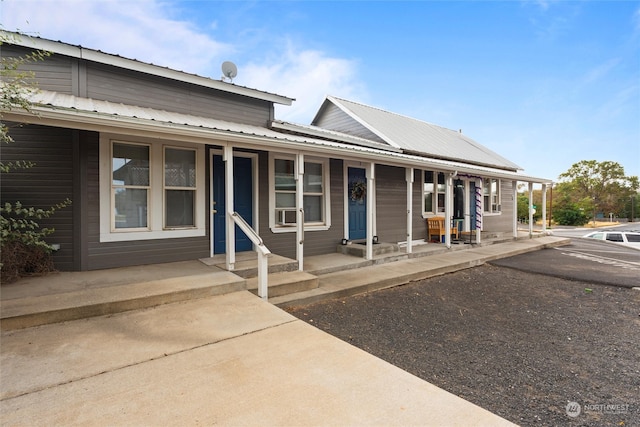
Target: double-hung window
x,y
285,191
433,192
491,195
314,199
179,187
151,190
130,186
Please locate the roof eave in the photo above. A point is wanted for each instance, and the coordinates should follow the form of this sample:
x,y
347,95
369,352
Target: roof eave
x,y
47,115
93,55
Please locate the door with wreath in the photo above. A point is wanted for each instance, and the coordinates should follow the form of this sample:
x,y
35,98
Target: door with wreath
x,y
357,207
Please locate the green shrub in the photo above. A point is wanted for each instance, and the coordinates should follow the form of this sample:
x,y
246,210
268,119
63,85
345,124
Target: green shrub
x,y
570,215
23,248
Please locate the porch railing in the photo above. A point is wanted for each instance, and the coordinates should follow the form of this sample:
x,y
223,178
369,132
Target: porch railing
x,y
261,249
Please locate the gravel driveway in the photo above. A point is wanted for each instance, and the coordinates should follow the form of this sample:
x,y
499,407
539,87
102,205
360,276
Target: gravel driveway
x,y
521,345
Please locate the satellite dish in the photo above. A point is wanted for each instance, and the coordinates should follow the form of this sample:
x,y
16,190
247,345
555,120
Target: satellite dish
x,y
229,70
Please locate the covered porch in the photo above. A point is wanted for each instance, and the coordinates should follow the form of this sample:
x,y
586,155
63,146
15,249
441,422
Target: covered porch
x,y
66,296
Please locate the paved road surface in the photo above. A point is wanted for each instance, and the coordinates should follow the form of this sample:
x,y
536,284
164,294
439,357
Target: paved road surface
x,y
585,260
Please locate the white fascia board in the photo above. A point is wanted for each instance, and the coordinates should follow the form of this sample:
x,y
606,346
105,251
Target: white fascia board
x,y
142,127
357,118
330,134
93,55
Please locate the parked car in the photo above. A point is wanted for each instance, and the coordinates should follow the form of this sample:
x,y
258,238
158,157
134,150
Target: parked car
x,y
627,238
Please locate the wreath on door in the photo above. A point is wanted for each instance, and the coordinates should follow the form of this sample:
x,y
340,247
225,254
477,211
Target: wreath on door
x,y
358,191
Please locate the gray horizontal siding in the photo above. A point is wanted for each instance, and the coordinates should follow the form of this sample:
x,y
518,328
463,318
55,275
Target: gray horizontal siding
x,y
48,182
391,201
54,73
419,229
120,254
104,82
504,221
335,119
323,242
130,87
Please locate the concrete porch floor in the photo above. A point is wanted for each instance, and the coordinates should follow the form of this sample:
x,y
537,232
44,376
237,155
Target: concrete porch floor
x,y
64,296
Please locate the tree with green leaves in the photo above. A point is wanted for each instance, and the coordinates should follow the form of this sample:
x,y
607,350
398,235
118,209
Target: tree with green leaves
x,y
598,186
23,248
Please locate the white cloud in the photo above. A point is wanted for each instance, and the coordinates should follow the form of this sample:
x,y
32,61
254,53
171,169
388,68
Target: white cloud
x,y
148,30
306,75
141,29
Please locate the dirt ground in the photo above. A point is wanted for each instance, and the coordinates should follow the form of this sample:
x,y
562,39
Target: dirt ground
x,y
521,345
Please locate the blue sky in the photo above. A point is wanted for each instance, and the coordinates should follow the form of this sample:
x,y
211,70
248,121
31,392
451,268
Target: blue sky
x,y
543,83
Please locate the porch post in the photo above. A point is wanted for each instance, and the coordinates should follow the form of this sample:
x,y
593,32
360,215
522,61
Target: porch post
x,y
370,193
300,210
409,179
227,156
544,207
514,197
447,210
530,209
479,210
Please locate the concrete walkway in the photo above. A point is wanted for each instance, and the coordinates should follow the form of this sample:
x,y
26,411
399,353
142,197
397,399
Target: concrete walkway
x,y
227,359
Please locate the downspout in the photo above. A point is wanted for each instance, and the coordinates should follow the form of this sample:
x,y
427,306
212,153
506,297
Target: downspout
x,y
409,179
227,156
300,210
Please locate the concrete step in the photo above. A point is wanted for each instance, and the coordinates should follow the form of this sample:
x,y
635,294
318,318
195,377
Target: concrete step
x,y
26,312
285,283
360,249
246,265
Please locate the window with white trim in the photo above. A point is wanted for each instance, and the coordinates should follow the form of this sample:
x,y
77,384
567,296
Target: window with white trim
x,y
285,191
491,195
433,192
179,187
151,190
130,186
315,193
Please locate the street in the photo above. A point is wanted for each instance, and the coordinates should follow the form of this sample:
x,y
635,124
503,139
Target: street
x,y
586,260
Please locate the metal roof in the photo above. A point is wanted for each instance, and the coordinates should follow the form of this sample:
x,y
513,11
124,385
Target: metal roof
x,y
56,109
315,131
75,51
416,136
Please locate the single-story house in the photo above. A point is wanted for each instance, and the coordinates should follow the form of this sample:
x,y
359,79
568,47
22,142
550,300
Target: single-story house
x,y
157,161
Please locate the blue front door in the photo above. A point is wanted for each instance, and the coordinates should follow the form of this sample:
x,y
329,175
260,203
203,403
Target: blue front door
x,y
472,205
357,196
242,198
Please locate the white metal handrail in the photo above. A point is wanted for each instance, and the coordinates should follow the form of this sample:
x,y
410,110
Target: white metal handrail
x,y
261,249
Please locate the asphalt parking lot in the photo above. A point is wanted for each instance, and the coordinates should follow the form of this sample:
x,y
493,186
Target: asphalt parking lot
x,y
584,260
522,345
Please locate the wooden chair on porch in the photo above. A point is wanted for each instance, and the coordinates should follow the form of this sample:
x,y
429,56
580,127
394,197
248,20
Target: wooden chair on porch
x,y
436,230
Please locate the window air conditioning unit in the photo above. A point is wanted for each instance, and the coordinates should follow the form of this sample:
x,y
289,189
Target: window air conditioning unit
x,y
286,216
